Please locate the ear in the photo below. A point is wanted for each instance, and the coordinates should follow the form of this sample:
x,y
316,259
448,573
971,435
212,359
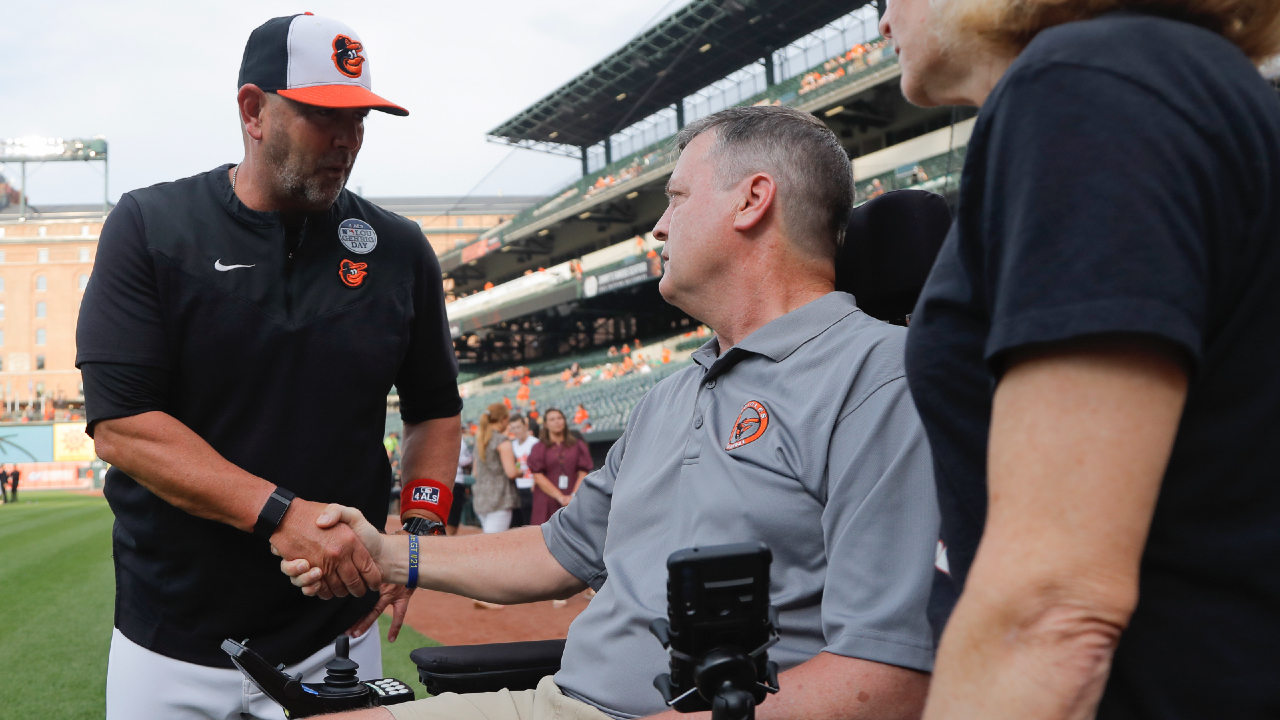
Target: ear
x,y
758,194
253,103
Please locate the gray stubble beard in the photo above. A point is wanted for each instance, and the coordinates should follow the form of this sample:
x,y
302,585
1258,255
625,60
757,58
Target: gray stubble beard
x,y
294,181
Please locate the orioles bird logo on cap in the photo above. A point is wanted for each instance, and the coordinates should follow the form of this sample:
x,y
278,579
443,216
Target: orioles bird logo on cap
x,y
352,273
750,425
346,56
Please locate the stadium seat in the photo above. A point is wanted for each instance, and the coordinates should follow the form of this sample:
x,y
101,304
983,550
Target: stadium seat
x,y
889,248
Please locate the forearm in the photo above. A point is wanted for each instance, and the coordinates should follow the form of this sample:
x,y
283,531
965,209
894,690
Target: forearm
x,y
834,687
545,485
170,460
509,567
430,450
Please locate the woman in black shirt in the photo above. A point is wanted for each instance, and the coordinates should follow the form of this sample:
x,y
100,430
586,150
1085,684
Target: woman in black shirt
x,y
1094,356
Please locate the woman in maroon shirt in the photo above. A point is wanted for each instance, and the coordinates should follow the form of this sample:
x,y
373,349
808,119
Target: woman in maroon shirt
x,y
559,462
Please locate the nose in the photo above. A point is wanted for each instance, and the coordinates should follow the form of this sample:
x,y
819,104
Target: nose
x,y
885,30
664,224
348,133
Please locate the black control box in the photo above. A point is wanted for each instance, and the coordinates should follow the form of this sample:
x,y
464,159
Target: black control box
x,y
341,690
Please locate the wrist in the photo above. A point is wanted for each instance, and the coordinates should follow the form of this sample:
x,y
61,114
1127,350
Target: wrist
x,y
392,557
271,516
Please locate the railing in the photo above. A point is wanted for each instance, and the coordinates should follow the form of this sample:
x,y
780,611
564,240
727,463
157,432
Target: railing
x,y
553,278
939,174
803,88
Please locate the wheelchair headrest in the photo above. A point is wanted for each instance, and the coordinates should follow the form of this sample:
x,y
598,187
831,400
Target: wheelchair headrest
x,y
889,248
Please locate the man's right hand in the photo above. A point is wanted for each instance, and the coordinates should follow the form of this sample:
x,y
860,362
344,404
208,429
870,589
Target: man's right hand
x,y
344,562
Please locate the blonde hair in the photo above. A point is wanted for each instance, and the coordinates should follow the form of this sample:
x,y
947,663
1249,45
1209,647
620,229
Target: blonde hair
x,y
1009,25
496,414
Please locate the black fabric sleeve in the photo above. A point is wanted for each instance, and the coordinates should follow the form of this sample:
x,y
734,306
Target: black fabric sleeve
x,y
112,390
428,378
121,318
1095,218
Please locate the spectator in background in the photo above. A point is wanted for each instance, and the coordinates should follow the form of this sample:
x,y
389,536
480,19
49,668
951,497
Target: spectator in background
x,y
666,355
875,189
580,415
460,491
494,495
4,486
522,443
14,474
392,443
558,462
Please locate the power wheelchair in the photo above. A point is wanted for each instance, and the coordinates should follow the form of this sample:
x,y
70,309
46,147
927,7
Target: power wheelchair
x,y
890,246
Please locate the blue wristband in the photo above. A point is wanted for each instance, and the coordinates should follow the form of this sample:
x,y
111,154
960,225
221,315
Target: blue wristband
x,y
413,562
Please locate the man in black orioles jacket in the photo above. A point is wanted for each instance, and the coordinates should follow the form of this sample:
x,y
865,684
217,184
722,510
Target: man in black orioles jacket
x,y
238,338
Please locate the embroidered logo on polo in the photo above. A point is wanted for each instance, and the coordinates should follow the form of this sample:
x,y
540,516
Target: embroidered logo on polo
x,y
352,273
357,236
752,421
346,56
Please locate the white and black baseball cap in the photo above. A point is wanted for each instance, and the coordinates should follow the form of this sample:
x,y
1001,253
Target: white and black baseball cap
x,y
314,60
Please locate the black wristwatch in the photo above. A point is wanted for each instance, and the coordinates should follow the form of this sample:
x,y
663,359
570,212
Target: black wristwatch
x,y
272,512
423,526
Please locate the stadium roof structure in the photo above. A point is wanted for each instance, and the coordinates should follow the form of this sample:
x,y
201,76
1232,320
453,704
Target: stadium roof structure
x,y
693,47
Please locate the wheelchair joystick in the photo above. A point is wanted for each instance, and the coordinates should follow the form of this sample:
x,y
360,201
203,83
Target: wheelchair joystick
x,y
341,690
341,670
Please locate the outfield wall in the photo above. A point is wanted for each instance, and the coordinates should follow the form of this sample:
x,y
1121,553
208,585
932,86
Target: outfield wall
x,y
51,456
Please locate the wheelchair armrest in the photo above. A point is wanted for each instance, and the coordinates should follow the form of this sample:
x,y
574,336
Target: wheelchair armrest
x,y
487,668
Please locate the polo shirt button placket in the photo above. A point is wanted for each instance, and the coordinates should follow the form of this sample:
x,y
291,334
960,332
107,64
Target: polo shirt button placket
x,y
697,422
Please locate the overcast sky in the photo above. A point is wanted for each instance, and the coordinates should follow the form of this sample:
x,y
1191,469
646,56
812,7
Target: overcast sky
x,y
158,79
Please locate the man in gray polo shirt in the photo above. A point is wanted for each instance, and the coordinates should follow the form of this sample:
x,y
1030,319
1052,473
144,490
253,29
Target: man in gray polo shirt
x,y
794,427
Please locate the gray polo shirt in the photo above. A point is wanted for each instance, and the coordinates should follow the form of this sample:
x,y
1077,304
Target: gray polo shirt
x,y
803,437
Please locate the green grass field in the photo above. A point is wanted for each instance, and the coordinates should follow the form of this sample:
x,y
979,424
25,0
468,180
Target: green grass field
x,y
56,595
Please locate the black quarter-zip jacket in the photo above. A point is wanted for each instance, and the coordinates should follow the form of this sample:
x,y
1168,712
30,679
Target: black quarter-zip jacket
x,y
278,348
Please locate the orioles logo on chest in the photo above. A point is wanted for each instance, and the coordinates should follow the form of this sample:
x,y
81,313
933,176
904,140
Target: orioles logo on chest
x,y
752,421
352,273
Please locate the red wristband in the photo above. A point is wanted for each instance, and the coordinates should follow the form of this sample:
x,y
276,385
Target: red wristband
x,y
427,495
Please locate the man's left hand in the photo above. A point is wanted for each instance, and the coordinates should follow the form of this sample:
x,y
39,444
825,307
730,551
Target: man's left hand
x,y
397,596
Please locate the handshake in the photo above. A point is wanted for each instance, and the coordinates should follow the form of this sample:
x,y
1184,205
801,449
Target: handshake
x,y
333,551
314,580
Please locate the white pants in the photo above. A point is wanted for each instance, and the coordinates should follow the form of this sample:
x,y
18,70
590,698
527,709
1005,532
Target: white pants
x,y
496,521
145,685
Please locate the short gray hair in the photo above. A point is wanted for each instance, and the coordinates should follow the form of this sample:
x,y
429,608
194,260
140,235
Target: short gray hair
x,y
812,171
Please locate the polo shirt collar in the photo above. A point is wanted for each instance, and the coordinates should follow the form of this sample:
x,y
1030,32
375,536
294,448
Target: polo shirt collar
x,y
781,336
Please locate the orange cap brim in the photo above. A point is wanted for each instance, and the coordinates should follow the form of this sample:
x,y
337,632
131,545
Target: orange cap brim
x,y
342,96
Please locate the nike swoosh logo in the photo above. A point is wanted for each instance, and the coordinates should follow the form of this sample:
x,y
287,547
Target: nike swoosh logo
x,y
217,265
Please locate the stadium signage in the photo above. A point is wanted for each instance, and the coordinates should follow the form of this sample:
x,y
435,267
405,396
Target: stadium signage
x,y
357,236
479,248
632,274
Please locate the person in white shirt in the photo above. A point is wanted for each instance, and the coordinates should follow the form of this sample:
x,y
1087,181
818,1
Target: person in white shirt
x,y
522,442
460,489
